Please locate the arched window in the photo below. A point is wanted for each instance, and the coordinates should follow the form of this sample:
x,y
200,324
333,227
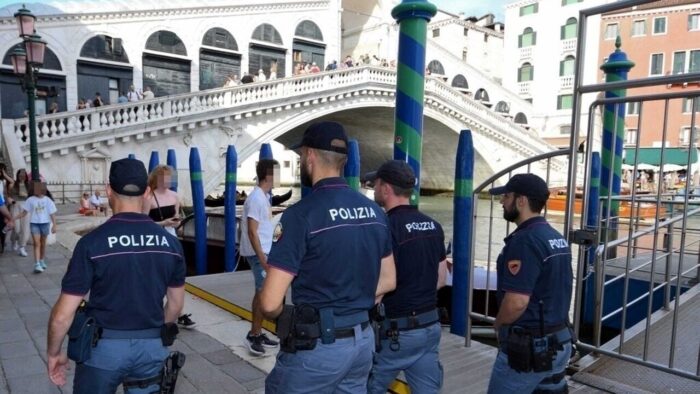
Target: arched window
x,y
220,38
520,118
436,67
166,41
528,38
526,72
482,95
460,82
215,65
502,107
50,59
310,30
105,48
570,29
267,33
567,66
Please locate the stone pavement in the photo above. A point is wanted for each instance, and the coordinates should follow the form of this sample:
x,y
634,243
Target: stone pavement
x,y
26,300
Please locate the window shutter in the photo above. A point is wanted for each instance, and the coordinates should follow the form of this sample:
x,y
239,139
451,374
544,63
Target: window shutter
x,y
534,38
520,41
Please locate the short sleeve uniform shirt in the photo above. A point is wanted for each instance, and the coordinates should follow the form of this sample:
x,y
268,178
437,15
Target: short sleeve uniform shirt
x,y
126,265
544,272
332,241
419,247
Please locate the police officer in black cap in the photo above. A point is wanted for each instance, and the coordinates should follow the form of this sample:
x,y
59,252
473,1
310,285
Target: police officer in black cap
x,y
128,265
334,248
410,329
534,293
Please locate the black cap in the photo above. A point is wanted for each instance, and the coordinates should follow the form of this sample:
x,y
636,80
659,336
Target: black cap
x,y
128,177
395,172
321,136
529,185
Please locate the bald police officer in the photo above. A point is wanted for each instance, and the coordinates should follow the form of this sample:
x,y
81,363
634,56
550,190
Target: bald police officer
x,y
411,329
534,293
334,248
128,265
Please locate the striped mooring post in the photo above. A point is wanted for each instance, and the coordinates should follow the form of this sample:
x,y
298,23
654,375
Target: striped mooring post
x,y
230,209
200,218
352,167
413,17
462,238
265,152
615,69
172,162
154,161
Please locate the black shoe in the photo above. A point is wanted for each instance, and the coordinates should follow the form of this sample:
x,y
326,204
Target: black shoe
x,y
185,322
255,346
267,342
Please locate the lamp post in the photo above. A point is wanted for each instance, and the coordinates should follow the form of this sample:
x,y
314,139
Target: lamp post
x,y
26,62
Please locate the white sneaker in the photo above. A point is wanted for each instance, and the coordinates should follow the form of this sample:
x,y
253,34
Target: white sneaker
x,y
15,246
38,268
22,252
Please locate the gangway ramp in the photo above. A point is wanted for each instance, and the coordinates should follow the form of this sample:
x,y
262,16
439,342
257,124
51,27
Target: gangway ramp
x,y
616,375
466,369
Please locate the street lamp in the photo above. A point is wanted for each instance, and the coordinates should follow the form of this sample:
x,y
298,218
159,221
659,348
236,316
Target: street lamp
x,y
26,63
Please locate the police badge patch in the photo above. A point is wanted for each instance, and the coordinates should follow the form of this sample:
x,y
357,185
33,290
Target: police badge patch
x,y
277,232
514,267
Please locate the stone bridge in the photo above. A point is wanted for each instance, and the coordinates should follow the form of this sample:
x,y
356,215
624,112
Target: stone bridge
x,y
78,146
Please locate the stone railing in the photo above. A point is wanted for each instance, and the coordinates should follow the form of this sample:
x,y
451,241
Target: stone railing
x,y
524,88
525,53
568,46
94,120
264,97
566,82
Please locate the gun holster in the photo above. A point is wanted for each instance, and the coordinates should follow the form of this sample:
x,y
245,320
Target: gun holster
x,y
83,335
168,333
519,349
298,328
377,316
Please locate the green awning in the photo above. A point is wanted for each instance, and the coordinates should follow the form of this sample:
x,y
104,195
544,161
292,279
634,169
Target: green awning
x,y
652,156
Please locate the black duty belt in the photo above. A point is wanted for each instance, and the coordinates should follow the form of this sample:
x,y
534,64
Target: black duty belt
x,y
348,332
411,322
537,332
149,333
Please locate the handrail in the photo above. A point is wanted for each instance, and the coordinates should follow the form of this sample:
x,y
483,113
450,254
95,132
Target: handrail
x,y
530,160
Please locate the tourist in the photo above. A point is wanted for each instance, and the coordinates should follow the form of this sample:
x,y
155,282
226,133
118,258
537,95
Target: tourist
x,y
41,211
148,93
19,194
256,240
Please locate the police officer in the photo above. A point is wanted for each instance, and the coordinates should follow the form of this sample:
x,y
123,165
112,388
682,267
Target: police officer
x,y
334,248
534,294
411,327
128,265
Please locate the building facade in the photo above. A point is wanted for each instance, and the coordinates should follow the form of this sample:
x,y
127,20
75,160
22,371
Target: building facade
x,y
540,50
661,38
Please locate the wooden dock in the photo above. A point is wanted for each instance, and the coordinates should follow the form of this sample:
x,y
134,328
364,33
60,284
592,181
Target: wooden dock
x,y
465,369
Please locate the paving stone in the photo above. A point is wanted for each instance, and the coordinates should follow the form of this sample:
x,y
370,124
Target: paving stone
x,y
209,379
17,349
38,320
257,385
220,357
32,384
15,335
242,371
24,366
202,343
184,386
181,346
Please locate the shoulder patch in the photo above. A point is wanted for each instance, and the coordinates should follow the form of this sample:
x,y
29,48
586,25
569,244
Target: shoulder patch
x,y
514,267
277,232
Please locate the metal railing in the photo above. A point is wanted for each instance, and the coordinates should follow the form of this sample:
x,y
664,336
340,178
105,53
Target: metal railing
x,y
71,192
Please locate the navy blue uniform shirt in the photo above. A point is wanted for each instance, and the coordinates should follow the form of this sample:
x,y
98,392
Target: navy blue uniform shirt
x,y
419,247
126,264
333,241
544,273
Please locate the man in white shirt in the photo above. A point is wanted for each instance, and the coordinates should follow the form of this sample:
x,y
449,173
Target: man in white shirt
x,y
96,201
256,240
133,95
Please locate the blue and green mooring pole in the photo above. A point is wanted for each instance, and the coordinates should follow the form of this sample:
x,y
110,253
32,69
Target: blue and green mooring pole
x,y
230,209
413,17
200,218
352,166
